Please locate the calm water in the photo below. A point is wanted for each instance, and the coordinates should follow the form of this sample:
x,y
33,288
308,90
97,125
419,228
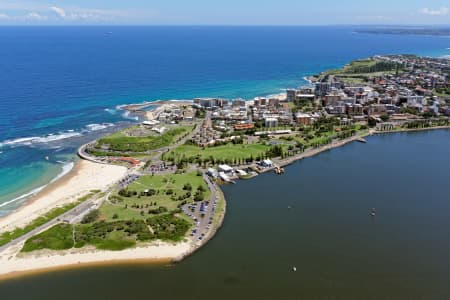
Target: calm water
x,y
66,81
339,250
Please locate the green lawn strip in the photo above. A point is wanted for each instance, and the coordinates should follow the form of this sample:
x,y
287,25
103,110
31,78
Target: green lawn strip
x,y
220,208
59,237
9,236
169,196
225,152
116,236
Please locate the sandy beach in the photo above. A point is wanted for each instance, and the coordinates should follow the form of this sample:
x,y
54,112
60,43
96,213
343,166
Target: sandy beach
x,y
84,177
14,264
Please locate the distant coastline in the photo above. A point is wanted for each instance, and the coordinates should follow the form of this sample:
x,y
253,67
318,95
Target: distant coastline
x,y
444,32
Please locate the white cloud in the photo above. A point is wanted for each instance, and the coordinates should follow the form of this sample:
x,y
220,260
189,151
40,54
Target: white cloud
x,y
16,11
59,11
86,14
443,11
31,16
34,16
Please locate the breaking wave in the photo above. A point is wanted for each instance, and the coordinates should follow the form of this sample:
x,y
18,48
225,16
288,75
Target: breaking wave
x,y
67,167
28,141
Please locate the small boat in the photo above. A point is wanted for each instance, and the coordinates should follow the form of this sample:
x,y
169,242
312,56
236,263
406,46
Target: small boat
x,y
362,140
47,158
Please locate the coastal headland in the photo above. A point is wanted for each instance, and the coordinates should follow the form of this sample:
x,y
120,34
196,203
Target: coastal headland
x,y
151,192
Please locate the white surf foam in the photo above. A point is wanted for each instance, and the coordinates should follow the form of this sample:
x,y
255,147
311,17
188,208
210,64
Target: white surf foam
x,y
111,111
96,127
65,170
31,193
27,141
128,116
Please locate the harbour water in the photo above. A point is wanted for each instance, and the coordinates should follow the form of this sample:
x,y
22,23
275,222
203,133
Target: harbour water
x,y
62,86
338,249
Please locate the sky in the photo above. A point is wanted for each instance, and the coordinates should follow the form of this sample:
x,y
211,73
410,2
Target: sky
x,y
224,12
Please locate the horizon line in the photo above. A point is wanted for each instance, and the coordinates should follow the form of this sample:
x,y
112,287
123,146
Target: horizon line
x,y
222,25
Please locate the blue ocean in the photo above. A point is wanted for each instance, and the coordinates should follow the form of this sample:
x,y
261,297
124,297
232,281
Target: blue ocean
x,y
63,86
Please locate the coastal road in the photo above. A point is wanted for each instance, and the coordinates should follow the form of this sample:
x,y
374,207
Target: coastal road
x,y
71,217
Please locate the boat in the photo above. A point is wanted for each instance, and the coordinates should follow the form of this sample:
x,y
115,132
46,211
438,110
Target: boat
x,y
279,170
362,140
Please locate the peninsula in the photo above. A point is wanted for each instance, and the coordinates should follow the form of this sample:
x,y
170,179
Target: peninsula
x,y
151,192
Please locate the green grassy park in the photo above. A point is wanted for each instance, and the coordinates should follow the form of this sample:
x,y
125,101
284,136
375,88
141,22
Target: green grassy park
x,y
123,142
224,153
152,195
115,236
148,210
59,237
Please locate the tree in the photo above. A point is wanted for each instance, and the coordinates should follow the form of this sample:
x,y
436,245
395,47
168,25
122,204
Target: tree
x,y
372,122
199,196
90,217
384,117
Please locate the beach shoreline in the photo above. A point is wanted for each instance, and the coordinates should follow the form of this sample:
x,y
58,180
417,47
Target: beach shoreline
x,y
14,264
66,189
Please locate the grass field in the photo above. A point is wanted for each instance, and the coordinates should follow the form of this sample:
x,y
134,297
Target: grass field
x,y
121,142
358,69
59,237
220,209
116,236
225,152
168,189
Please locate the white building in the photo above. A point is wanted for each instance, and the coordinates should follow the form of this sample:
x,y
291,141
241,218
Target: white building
x,y
225,168
271,122
267,163
150,123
